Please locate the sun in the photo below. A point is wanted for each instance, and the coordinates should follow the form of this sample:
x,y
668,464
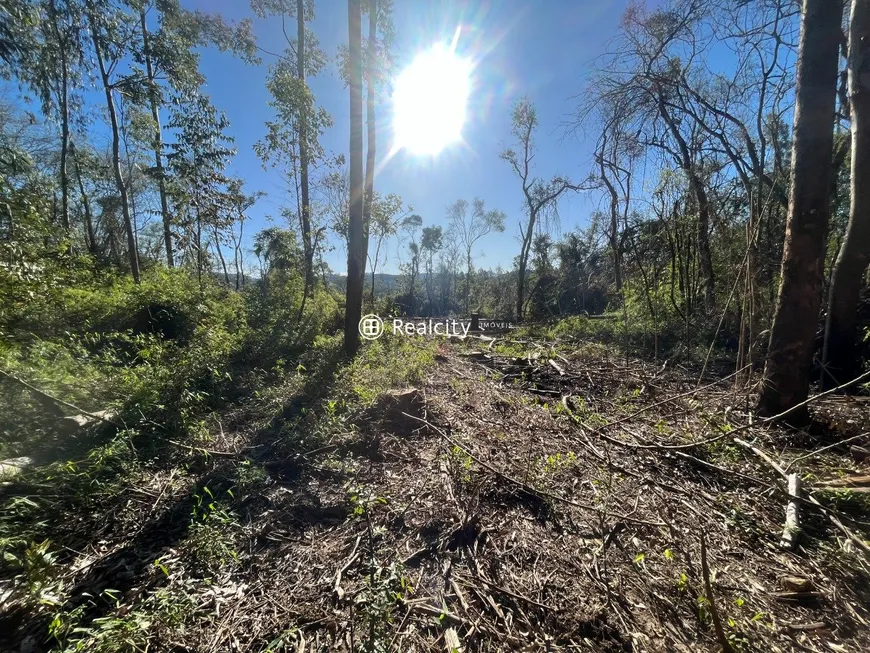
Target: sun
x,y
430,100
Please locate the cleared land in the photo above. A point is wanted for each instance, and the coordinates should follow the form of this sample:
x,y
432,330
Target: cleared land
x,y
481,495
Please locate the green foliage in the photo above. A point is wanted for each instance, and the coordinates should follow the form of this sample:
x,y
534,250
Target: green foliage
x,y
126,629
212,537
392,361
383,594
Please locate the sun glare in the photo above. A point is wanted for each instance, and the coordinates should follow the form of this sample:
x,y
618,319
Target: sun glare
x,y
429,101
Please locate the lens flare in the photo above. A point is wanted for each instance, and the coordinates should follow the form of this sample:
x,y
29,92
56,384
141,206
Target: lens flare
x,y
430,101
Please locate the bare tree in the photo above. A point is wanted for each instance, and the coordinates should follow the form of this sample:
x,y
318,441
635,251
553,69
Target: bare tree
x,y
538,195
469,228
101,42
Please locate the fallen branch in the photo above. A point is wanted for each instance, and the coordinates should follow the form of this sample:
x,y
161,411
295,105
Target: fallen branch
x,y
44,395
708,589
337,589
831,517
210,452
830,446
557,367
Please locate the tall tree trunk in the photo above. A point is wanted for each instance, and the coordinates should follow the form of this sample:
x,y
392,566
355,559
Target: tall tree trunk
x,y
789,360
524,262
700,193
154,99
355,248
64,118
840,353
307,243
371,72
613,236
86,204
468,266
217,247
133,254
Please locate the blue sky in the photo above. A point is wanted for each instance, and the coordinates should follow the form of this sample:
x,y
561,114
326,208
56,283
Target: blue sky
x,y
542,49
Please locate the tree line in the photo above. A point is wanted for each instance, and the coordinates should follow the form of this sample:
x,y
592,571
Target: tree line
x,y
727,163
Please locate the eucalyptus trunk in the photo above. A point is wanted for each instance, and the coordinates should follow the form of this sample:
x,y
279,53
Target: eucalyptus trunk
x,y
303,159
154,99
132,251
356,247
840,352
790,353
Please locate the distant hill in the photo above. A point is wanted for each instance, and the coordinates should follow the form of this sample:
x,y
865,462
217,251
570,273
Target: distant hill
x,y
383,282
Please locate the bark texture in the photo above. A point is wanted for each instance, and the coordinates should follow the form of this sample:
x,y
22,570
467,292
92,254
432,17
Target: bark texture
x,y
355,246
790,354
840,353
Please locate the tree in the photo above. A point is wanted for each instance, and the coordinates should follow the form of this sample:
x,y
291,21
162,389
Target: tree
x,y
410,225
197,159
383,225
109,27
371,127
538,195
356,251
64,34
430,244
839,354
169,53
789,360
292,140
378,65
471,228
154,101
49,60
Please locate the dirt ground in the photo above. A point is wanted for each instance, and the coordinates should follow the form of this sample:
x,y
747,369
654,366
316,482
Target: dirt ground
x,y
524,496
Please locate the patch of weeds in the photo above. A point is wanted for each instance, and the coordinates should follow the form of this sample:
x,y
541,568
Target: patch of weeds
x,y
682,582
127,629
44,499
585,415
288,640
662,428
385,590
363,499
510,349
37,583
212,535
387,363
250,476
847,501
460,464
555,462
722,452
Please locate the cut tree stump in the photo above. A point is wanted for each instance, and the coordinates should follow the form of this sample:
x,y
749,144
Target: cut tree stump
x,y
792,513
391,411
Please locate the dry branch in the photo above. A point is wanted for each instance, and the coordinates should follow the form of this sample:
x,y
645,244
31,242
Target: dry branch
x,y
44,395
708,588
